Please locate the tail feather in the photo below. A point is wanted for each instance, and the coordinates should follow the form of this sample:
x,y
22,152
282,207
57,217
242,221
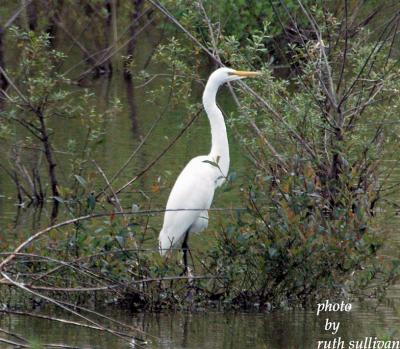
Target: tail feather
x,y
164,243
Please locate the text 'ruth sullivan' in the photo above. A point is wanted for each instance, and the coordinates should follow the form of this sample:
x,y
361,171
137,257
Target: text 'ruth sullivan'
x,y
366,343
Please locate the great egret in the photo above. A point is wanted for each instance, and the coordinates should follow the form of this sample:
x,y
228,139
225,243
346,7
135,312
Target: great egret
x,y
192,194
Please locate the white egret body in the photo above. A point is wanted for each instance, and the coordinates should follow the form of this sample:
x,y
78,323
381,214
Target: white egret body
x,y
193,192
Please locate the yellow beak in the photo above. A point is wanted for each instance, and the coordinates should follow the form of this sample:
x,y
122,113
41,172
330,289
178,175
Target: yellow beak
x,y
245,74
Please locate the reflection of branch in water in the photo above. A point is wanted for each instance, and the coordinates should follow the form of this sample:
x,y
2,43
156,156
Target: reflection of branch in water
x,y
144,139
133,29
3,80
128,73
186,331
130,98
133,115
105,91
112,53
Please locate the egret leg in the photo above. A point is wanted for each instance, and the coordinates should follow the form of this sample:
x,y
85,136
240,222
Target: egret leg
x,y
185,248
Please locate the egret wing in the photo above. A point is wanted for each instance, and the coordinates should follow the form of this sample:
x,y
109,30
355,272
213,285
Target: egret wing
x,y
192,193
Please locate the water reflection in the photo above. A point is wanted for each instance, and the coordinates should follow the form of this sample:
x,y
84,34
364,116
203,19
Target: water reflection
x,y
130,98
276,330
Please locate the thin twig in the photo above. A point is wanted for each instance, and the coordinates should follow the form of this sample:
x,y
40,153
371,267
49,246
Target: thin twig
x,y
261,100
56,319
14,335
235,98
106,57
159,156
123,336
40,233
141,144
16,14
20,94
107,287
16,344
115,196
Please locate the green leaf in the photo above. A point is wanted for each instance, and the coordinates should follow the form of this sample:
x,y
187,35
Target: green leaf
x,y
211,163
57,198
81,180
232,176
120,240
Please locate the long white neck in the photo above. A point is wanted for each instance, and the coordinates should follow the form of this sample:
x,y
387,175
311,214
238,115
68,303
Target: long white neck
x,y
219,138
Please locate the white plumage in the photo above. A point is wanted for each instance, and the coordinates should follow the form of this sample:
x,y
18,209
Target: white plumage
x,y
193,191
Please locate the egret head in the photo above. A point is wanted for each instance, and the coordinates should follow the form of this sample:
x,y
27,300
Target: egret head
x,y
223,75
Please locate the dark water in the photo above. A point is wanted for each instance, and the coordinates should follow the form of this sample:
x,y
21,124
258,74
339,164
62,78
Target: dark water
x,y
276,330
